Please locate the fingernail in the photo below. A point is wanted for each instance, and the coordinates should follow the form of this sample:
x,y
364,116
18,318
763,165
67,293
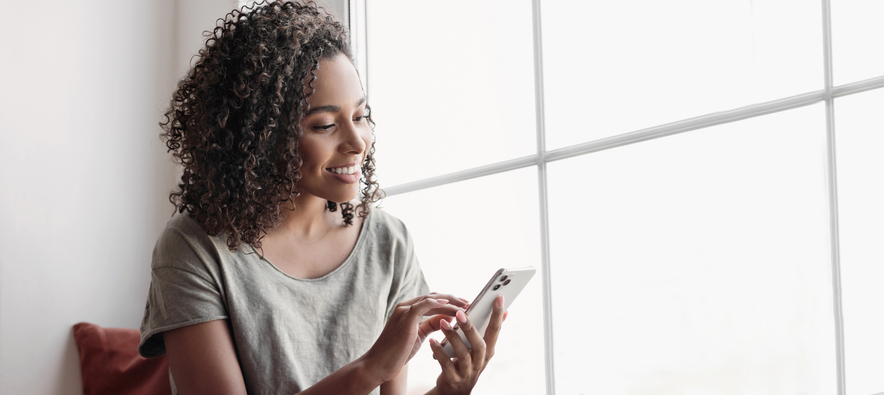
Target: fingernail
x,y
443,301
432,341
461,317
500,301
444,324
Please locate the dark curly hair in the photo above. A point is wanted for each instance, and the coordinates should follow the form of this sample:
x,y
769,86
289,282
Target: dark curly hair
x,y
233,122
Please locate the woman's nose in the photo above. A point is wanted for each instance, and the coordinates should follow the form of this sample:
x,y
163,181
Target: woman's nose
x,y
352,139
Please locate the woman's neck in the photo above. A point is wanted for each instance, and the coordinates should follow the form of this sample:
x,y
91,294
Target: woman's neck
x,y
308,221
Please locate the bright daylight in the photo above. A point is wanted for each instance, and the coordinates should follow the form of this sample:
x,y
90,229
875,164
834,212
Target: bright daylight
x,y
396,197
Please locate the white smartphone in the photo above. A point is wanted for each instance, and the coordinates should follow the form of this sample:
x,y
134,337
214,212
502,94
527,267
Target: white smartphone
x,y
506,282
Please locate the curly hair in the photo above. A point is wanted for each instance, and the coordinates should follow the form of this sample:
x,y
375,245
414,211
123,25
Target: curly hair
x,y
233,122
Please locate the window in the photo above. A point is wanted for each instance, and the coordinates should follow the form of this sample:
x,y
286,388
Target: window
x,y
671,169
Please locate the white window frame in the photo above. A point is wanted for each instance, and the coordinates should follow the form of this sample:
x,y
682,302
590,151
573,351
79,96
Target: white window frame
x,y
357,21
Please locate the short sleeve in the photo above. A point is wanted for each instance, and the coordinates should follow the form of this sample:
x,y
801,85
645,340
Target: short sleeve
x,y
184,289
408,281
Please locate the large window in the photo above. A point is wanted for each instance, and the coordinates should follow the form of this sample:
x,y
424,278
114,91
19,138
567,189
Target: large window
x,y
700,185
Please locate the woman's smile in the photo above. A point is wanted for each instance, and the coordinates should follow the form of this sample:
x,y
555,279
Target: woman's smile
x,y
348,174
337,134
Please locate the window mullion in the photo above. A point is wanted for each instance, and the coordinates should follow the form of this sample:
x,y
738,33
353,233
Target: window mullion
x,y
832,190
543,200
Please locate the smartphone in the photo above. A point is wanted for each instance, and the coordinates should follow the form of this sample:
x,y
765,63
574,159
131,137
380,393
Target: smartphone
x,y
506,282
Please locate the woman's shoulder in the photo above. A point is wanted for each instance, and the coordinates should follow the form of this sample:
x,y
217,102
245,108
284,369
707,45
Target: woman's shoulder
x,y
183,240
183,226
184,222
385,223
388,233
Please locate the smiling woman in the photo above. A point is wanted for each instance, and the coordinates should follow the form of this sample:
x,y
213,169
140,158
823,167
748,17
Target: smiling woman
x,y
337,136
258,286
235,119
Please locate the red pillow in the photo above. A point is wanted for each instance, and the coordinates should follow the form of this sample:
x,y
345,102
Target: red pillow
x,y
110,363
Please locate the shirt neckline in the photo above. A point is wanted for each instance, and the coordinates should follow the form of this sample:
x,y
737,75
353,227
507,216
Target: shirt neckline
x,y
350,258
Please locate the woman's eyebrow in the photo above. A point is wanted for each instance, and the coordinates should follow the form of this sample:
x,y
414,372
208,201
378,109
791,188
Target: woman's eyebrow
x,y
330,108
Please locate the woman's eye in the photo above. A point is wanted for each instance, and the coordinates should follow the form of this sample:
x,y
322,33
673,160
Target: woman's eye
x,y
324,127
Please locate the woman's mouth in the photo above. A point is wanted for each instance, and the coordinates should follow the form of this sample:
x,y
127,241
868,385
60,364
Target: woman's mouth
x,y
343,170
345,174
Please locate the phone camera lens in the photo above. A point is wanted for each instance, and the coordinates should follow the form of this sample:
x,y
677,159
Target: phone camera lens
x,y
507,282
496,287
503,278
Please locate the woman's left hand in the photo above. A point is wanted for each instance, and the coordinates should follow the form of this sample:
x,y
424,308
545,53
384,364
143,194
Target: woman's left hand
x,y
460,374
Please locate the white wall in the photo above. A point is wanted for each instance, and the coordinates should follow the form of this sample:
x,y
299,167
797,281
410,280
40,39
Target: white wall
x,y
84,177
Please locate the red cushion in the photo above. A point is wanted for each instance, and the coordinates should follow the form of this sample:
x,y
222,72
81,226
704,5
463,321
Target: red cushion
x,y
110,363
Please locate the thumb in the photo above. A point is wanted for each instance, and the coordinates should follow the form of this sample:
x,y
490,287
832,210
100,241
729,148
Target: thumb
x,y
422,308
432,324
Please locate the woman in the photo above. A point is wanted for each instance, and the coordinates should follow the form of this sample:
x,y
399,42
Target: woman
x,y
268,280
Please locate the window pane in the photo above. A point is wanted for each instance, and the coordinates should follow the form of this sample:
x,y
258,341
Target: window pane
x,y
463,233
451,85
695,264
857,36
618,66
861,215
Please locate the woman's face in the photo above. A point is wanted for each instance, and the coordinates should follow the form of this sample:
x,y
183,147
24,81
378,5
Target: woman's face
x,y
337,135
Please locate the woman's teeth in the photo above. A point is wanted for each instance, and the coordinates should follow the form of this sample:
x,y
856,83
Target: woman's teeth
x,y
344,170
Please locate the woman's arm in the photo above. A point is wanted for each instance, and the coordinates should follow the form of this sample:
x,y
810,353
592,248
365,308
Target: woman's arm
x,y
203,361
398,385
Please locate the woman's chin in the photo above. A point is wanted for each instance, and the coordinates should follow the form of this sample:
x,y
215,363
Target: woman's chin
x,y
343,198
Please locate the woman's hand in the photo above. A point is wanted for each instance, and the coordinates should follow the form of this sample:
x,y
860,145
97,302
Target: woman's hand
x,y
404,333
460,374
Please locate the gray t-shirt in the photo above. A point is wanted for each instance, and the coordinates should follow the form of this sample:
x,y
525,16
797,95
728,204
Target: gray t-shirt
x,y
289,333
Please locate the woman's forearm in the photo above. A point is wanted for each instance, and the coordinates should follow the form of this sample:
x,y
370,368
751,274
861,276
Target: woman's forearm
x,y
356,377
398,385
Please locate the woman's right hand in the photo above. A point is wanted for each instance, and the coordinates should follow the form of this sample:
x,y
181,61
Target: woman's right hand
x,y
404,333
459,374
